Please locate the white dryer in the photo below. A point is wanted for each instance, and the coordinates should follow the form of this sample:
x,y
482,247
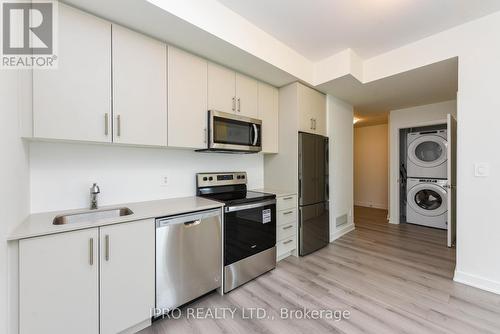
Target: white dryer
x,y
427,154
427,202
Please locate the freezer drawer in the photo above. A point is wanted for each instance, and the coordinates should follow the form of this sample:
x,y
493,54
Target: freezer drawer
x,y
314,230
188,257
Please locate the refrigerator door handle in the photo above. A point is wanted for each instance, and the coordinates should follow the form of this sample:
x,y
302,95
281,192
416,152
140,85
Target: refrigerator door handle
x,y
300,191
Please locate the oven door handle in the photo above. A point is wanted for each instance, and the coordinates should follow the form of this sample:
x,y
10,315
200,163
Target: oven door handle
x,y
249,206
255,134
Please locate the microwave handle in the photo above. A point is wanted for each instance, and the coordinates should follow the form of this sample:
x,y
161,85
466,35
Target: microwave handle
x,y
255,134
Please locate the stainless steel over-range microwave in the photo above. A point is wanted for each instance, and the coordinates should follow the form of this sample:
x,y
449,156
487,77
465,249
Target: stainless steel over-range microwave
x,y
233,133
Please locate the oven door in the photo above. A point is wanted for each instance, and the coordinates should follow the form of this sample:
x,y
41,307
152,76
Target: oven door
x,y
234,133
248,229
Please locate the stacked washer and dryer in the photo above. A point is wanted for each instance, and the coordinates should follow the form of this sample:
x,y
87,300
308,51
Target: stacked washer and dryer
x,y
427,165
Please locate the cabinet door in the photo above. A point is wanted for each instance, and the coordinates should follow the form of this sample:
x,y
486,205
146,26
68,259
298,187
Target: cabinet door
x,y
127,275
319,113
58,283
312,110
306,112
187,100
73,102
247,96
221,89
139,89
268,113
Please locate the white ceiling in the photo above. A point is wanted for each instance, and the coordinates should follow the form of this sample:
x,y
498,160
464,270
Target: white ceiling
x,y
320,28
372,101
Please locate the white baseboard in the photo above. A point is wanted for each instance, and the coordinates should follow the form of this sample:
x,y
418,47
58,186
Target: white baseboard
x,y
341,231
371,205
477,282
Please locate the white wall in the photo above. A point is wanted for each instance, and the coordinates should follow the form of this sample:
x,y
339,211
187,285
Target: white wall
x,y
478,51
61,174
406,118
340,131
371,167
14,182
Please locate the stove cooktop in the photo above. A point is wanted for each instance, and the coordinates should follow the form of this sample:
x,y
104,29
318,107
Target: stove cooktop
x,y
239,197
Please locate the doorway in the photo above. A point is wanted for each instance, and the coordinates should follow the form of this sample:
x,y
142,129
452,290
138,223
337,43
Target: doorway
x,y
418,177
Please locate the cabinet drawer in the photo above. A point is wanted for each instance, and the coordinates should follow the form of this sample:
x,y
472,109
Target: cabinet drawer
x,y
286,230
287,216
286,245
286,202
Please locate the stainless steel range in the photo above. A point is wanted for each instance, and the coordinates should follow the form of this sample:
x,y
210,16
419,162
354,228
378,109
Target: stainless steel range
x,y
249,226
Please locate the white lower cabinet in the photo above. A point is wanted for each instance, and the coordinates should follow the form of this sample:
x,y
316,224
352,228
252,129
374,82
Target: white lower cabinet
x,y
127,262
62,289
59,283
286,227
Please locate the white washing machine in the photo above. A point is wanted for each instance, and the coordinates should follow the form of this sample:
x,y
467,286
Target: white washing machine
x,y
427,154
427,202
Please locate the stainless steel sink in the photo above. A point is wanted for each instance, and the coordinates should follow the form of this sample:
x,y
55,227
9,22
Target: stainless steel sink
x,y
91,216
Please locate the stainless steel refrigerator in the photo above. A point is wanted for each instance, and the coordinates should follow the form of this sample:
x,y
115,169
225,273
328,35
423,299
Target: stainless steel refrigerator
x,y
314,224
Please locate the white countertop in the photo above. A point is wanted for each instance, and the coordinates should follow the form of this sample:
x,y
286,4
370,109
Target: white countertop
x,y
41,223
277,192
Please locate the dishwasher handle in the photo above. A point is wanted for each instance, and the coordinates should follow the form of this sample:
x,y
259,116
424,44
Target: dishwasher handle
x,y
193,223
189,220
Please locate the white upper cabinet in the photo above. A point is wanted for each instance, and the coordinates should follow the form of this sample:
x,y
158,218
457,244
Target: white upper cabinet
x,y
232,92
221,88
58,283
139,89
73,102
127,263
312,110
115,85
268,113
247,96
187,100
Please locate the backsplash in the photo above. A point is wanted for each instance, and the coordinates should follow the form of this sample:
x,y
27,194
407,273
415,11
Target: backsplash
x,y
62,174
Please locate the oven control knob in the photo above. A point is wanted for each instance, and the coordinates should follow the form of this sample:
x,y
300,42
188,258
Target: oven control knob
x,y
238,177
242,176
205,178
210,178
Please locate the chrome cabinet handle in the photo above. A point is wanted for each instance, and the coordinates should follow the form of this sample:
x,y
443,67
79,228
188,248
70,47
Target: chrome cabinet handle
x,y
118,126
205,135
193,223
106,124
288,212
91,251
287,227
239,104
312,126
106,247
234,103
287,242
288,198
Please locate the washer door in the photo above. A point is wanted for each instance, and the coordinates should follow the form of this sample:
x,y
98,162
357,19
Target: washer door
x,y
428,199
428,151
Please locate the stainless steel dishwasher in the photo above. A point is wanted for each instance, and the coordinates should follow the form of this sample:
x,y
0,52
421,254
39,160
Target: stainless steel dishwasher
x,y
188,257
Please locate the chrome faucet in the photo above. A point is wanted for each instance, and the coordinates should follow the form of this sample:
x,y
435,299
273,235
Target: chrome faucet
x,y
94,191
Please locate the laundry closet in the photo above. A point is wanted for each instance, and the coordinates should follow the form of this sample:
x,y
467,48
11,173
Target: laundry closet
x,y
427,174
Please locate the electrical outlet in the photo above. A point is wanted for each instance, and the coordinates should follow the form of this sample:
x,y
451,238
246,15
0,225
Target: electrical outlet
x,y
164,181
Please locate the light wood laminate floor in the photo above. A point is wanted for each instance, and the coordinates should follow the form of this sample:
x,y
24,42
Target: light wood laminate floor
x,y
391,278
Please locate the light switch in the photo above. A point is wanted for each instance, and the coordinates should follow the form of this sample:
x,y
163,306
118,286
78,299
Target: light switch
x,y
482,169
